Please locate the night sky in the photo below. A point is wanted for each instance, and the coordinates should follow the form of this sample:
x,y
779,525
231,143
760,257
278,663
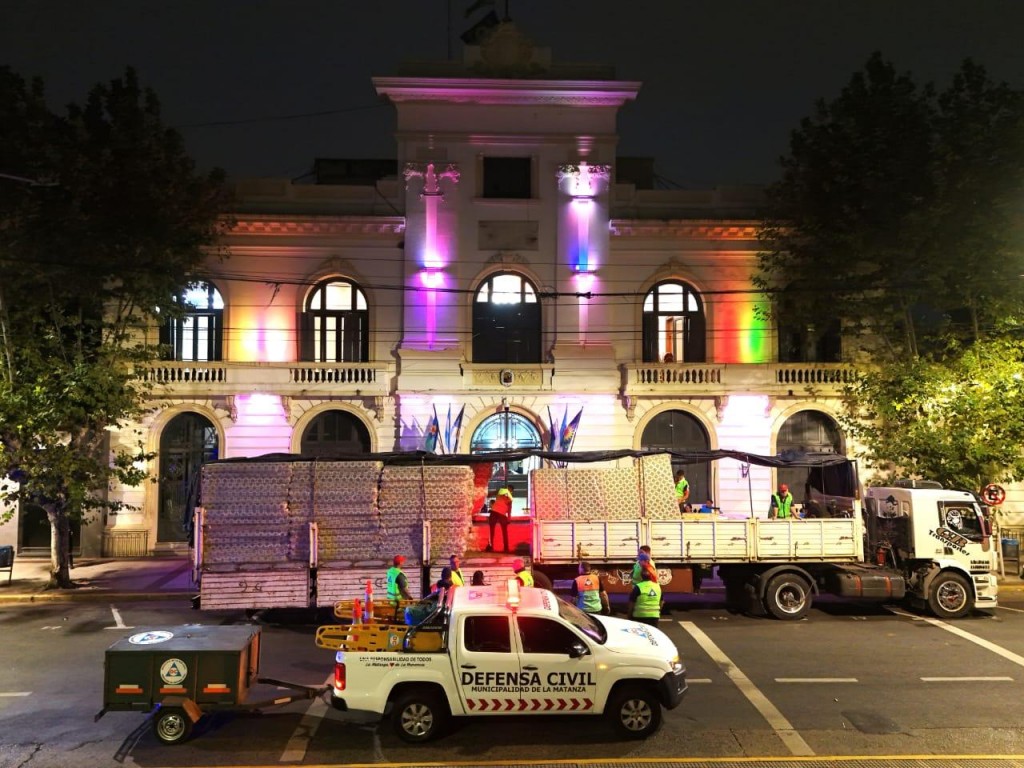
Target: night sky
x,y
725,81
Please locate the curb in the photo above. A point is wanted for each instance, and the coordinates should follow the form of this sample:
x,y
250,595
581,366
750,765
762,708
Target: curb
x,y
66,596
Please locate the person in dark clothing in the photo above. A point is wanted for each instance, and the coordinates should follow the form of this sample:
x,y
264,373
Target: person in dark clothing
x,y
500,510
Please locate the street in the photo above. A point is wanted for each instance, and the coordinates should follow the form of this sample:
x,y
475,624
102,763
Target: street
x,y
848,680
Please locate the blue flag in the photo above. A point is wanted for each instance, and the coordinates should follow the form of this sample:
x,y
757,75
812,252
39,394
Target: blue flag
x,y
431,434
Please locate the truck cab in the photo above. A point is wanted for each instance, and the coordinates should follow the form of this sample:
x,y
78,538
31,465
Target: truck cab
x,y
510,650
941,539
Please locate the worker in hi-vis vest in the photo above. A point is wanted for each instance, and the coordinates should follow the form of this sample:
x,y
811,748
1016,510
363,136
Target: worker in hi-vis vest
x,y
398,584
782,503
589,592
645,600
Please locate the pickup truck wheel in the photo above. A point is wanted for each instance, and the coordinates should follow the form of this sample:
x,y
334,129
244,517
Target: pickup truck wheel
x,y
172,725
418,716
949,596
635,711
788,597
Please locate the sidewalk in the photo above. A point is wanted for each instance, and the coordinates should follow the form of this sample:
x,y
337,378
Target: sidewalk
x,y
148,578
170,578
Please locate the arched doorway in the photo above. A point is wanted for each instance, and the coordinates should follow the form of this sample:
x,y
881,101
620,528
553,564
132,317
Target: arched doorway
x,y
188,440
681,431
335,432
508,431
806,432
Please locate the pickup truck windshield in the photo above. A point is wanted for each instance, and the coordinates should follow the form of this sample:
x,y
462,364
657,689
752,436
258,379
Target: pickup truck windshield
x,y
583,621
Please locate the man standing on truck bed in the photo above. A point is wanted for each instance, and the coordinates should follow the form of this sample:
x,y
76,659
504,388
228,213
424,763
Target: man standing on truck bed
x,y
398,584
682,489
782,503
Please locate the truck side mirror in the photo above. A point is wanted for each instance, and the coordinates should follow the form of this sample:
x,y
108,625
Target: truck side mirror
x,y
578,650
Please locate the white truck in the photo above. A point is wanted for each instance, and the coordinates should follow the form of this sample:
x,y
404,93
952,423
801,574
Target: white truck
x,y
931,545
505,650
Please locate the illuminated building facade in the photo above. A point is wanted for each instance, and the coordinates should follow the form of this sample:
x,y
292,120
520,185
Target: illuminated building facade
x,y
506,276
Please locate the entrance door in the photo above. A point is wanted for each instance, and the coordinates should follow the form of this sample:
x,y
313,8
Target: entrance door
x,y
186,442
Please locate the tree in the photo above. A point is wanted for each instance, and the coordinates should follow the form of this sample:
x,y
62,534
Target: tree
x,y
900,206
899,215
960,422
114,232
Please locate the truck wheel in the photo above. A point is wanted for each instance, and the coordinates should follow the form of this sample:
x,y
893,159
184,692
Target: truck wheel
x,y
949,596
172,725
788,597
636,712
419,716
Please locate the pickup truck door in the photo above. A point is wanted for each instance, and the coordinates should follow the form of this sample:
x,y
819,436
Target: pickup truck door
x,y
559,670
487,665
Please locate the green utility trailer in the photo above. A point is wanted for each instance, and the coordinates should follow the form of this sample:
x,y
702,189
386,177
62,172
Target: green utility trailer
x,y
181,672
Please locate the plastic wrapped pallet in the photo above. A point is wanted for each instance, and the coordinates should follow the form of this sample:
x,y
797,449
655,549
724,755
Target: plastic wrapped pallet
x,y
658,487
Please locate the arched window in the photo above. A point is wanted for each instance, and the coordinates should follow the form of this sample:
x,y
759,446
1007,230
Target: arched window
x,y
806,432
335,326
198,334
679,431
819,342
508,431
673,323
506,321
335,432
186,442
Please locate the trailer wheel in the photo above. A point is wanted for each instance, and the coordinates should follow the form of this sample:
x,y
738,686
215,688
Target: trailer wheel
x,y
949,596
172,725
635,710
787,597
419,716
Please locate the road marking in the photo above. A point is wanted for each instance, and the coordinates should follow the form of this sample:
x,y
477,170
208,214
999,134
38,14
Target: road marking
x,y
118,621
786,732
1007,608
12,694
295,749
815,679
996,649
698,680
967,679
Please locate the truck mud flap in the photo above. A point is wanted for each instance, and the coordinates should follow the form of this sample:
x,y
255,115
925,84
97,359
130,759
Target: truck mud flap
x,y
866,584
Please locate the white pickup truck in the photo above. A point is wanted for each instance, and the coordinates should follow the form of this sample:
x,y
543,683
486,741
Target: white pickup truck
x,y
505,650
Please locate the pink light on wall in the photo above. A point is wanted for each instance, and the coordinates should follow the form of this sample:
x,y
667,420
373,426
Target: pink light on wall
x,y
584,282
260,426
263,335
433,255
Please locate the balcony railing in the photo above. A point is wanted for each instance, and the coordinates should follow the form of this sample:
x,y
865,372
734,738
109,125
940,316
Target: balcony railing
x,y
727,378
221,378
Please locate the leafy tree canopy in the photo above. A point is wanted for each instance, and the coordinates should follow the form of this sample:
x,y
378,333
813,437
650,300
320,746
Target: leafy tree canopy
x,y
103,221
900,208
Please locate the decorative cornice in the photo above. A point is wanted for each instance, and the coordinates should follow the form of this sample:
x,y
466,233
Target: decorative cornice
x,y
693,230
590,93
432,178
301,225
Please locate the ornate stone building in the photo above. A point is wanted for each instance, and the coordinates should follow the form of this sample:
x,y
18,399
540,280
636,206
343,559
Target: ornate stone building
x,y
508,273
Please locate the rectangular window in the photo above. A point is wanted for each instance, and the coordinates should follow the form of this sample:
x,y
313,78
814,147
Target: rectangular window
x,y
508,178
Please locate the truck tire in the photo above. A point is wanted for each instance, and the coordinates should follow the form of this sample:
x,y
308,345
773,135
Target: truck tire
x,y
788,596
635,711
949,596
172,725
419,716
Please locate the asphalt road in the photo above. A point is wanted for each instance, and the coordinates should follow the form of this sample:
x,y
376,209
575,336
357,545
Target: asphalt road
x,y
848,680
